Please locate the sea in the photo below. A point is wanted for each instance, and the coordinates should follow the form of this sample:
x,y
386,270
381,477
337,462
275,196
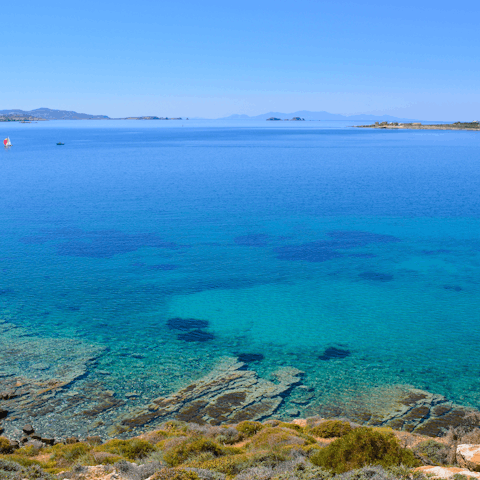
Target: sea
x,y
167,246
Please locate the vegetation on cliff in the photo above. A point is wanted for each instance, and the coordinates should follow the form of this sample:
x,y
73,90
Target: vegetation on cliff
x,y
272,450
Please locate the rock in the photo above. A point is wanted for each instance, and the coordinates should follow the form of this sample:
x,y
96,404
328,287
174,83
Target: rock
x,y
229,394
94,440
468,456
33,396
36,437
402,408
28,429
48,440
14,444
97,472
34,444
71,440
1,430
24,440
446,472
293,412
132,395
7,394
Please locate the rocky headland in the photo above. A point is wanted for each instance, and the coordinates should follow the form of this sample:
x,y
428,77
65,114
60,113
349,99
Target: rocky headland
x,y
475,126
20,118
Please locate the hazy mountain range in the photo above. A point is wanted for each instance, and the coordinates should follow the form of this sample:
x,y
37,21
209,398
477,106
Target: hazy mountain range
x,y
307,115
49,114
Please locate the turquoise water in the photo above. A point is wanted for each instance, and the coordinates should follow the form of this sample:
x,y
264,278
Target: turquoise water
x,y
353,255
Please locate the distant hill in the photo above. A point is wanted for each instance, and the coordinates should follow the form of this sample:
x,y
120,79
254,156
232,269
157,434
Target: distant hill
x,y
49,114
307,115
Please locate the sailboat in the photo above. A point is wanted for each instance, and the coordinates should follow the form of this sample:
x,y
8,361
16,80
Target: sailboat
x,y
7,142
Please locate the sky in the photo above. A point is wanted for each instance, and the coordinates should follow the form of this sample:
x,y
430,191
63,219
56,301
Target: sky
x,y
416,59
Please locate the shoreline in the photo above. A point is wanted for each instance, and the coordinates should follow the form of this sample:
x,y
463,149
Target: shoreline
x,y
467,126
74,405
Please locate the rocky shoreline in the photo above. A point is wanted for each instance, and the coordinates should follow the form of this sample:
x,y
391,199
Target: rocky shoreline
x,y
472,126
231,393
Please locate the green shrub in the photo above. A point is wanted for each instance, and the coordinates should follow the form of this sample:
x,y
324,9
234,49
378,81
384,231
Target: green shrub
x,y
292,426
432,452
5,446
234,464
330,429
190,448
12,471
175,474
249,429
362,447
23,461
67,455
306,471
28,451
130,449
271,437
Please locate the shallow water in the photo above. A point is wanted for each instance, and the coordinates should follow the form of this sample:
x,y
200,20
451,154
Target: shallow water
x,y
353,255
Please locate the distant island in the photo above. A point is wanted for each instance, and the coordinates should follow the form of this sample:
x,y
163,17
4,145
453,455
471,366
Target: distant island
x,y
42,114
20,118
294,119
49,114
319,116
149,118
475,125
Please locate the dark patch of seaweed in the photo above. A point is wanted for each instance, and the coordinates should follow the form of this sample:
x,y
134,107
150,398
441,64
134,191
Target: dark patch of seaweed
x,y
334,353
250,357
376,276
196,336
186,324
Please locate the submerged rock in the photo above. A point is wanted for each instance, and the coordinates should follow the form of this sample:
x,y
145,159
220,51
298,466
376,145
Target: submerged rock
x,y
185,324
196,336
408,409
376,277
250,357
28,429
333,353
253,240
455,288
34,374
228,394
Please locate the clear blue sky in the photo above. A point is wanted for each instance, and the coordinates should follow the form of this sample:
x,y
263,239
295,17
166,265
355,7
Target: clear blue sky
x,y
207,58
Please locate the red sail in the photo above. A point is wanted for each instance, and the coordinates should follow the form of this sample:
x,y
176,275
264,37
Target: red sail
x,y
5,141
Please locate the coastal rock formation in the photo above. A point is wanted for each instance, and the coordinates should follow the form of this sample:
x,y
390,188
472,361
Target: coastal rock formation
x,y
430,414
447,472
33,370
401,408
229,394
468,456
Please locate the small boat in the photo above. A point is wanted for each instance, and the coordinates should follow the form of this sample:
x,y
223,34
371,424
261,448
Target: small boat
x,y
60,143
7,142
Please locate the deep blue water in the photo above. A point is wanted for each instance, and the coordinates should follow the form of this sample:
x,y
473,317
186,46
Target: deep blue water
x,y
353,255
